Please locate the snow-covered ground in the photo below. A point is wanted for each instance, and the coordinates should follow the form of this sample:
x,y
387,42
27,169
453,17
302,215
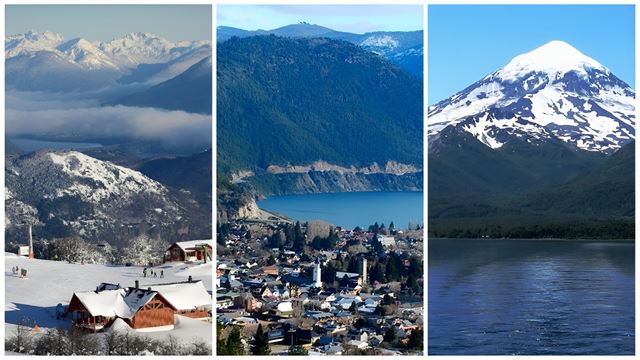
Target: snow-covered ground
x,y
49,283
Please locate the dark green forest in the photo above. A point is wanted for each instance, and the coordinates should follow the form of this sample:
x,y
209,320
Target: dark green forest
x,y
523,190
294,101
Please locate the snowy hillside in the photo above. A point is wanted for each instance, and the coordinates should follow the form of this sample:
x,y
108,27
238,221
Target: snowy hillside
x,y
554,91
61,280
70,190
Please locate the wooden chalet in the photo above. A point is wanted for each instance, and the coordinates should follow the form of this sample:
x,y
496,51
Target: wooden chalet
x,y
189,298
194,250
139,308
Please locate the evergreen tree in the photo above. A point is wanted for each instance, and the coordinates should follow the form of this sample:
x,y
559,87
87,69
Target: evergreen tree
x,y
221,345
353,308
390,335
297,350
260,345
416,339
388,300
298,238
234,343
377,245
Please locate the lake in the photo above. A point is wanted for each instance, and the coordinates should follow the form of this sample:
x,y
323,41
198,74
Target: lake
x,y
29,145
531,297
350,209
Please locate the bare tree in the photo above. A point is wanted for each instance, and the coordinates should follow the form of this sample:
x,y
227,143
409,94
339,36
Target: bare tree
x,y
21,341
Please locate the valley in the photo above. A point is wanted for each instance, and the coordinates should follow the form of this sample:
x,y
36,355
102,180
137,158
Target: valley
x,y
319,191
115,155
360,133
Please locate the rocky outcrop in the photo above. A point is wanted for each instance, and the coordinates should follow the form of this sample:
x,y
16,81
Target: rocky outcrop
x,y
391,168
248,210
336,181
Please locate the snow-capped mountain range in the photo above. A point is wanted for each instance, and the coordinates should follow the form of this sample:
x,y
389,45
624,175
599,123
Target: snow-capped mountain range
x,y
554,91
42,56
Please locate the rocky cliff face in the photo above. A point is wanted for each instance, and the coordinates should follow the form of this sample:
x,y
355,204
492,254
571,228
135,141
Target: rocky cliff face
x,y
336,181
238,200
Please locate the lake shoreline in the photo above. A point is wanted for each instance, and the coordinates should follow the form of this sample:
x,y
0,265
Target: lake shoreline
x,y
351,209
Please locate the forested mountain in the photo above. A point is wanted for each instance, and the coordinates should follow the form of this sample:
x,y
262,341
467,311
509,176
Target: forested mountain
x,y
190,91
294,101
403,48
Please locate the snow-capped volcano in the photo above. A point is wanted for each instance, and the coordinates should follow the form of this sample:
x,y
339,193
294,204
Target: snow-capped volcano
x,y
552,91
554,59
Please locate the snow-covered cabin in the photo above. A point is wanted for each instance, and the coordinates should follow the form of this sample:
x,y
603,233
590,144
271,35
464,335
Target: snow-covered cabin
x,y
193,250
139,308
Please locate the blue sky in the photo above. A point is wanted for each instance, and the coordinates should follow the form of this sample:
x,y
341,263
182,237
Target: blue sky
x,y
467,42
351,18
105,22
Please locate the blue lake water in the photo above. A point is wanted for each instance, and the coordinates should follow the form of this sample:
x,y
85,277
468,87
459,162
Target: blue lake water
x,y
29,145
350,209
531,297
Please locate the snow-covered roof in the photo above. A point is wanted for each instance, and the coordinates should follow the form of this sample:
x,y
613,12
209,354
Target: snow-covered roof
x,y
135,299
123,303
103,303
185,295
193,243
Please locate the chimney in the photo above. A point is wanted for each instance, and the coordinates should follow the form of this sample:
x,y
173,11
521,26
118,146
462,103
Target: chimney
x,y
137,284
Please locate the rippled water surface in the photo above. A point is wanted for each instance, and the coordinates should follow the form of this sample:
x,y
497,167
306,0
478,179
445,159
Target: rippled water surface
x,y
531,297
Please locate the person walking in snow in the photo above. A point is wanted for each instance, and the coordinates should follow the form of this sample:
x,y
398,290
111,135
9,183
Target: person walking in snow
x,y
161,274
144,272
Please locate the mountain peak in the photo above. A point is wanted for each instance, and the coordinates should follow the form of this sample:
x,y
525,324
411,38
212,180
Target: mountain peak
x,y
554,58
140,35
78,43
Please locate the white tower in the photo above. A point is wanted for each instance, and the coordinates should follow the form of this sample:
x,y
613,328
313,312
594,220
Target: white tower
x,y
31,252
363,270
317,275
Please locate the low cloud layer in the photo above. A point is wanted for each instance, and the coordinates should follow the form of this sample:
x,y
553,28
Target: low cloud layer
x,y
58,115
